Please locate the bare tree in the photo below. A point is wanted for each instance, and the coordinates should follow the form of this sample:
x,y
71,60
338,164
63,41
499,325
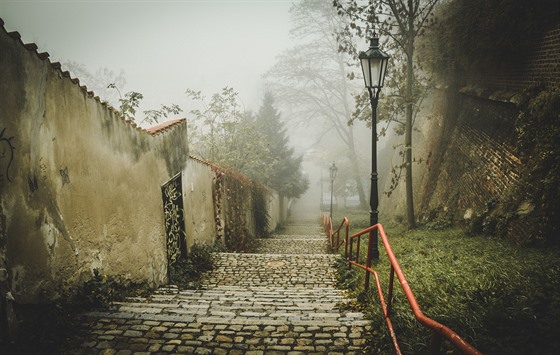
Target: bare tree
x,y
314,78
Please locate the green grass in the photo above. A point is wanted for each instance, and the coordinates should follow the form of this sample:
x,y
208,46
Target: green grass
x,y
501,298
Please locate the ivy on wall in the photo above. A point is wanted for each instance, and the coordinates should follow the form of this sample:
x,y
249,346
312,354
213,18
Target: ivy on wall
x,y
236,200
528,214
259,195
537,196
236,232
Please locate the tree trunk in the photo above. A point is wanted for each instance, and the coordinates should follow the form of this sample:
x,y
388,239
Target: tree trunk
x,y
352,154
356,167
359,184
408,132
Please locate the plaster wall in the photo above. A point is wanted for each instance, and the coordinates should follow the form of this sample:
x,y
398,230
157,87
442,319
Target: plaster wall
x,y
274,211
198,187
80,187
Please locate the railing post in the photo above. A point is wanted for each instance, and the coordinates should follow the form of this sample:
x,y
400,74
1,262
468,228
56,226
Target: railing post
x,y
337,238
358,250
390,293
346,243
372,238
351,248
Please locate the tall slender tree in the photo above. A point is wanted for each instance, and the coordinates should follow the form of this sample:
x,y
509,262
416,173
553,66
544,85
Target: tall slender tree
x,y
314,78
403,21
287,177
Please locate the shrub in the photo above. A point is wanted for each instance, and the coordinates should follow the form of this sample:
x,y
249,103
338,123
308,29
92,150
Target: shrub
x,y
186,272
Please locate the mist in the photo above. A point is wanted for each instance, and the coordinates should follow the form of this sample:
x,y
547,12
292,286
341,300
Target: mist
x,y
163,47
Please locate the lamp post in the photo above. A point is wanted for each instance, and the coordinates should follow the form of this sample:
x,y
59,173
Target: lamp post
x,y
374,67
333,169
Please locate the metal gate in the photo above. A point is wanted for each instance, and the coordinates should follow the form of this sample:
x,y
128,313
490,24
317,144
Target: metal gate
x,y
172,194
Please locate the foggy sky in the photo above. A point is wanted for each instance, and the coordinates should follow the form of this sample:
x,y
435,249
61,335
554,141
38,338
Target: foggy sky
x,y
164,47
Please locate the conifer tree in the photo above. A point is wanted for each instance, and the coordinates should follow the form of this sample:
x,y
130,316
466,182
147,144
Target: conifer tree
x,y
287,177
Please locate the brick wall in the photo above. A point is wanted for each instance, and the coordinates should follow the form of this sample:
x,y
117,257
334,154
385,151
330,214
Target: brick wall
x,y
479,165
541,65
476,159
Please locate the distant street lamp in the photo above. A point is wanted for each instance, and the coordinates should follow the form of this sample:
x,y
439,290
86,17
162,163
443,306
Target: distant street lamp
x,y
374,67
333,169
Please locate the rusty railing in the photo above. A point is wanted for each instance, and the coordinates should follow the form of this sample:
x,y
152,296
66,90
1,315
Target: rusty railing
x,y
334,235
439,331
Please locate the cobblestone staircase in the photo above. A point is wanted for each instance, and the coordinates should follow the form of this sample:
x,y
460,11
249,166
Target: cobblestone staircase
x,y
280,300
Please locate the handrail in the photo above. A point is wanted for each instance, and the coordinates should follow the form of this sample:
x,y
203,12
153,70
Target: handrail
x,y
327,225
335,245
327,228
438,330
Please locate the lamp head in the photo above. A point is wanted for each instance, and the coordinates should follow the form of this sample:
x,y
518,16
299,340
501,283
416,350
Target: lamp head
x,y
374,65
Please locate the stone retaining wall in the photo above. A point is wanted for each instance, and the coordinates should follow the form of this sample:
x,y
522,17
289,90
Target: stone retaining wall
x,y
80,186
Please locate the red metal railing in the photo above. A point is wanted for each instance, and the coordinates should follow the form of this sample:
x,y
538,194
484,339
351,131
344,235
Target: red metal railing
x,y
334,236
439,330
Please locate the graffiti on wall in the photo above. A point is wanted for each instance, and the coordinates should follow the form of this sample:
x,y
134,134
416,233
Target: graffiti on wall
x,y
6,155
64,175
174,219
33,183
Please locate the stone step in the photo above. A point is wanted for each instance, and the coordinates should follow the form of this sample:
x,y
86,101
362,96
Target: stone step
x,y
298,246
306,314
294,238
253,292
264,303
279,270
296,231
280,300
223,336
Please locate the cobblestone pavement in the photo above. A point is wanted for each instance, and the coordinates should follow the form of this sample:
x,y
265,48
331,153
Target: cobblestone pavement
x,y
281,300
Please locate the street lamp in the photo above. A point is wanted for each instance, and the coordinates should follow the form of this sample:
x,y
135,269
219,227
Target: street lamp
x,y
333,169
374,67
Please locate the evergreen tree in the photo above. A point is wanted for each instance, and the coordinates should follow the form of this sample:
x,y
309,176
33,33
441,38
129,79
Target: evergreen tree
x,y
287,177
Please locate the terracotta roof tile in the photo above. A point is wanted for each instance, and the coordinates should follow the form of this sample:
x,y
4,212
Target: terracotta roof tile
x,y
203,161
219,169
164,126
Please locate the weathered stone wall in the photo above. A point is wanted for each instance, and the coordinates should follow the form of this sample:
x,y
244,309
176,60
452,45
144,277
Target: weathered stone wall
x,y
467,139
539,66
198,189
478,164
218,199
80,187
